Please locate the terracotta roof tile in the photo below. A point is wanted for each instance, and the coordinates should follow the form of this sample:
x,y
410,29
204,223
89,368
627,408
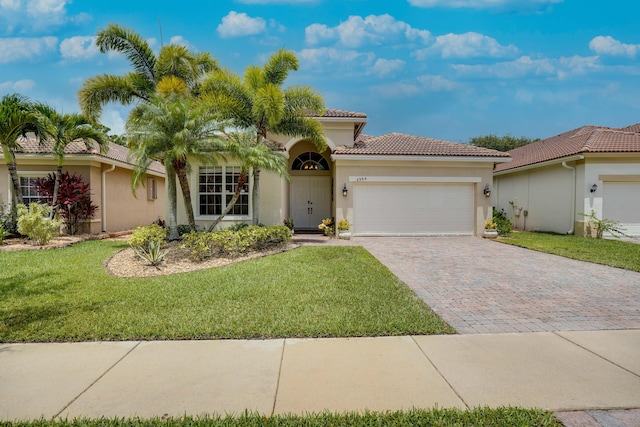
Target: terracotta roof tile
x,y
332,112
587,139
398,144
116,152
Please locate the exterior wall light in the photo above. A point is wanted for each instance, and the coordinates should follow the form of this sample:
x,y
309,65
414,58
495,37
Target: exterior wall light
x,y
594,187
344,190
487,191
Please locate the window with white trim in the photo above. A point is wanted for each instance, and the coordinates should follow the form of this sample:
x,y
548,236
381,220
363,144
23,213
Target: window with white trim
x,y
216,187
29,191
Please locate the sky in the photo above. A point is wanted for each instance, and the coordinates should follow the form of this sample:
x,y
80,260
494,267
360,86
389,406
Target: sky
x,y
444,69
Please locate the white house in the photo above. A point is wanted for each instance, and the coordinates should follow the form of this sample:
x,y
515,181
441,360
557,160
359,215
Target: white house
x,y
550,184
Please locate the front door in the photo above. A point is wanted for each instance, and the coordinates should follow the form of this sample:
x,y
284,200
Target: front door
x,y
310,200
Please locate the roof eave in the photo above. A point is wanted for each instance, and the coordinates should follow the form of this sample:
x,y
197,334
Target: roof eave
x,y
475,159
540,165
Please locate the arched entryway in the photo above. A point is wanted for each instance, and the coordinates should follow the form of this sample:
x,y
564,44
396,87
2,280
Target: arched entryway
x,y
310,190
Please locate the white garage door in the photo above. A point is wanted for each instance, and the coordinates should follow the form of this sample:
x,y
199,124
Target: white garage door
x,y
622,203
433,209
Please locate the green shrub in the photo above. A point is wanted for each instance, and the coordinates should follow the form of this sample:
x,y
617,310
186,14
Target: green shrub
x,y
3,234
228,243
143,235
237,226
604,225
36,224
152,253
8,219
504,225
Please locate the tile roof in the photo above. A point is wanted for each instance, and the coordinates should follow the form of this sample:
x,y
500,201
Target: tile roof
x,y
398,144
333,113
116,152
587,139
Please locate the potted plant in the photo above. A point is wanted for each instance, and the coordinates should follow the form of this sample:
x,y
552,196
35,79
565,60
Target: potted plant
x,y
343,229
288,222
328,226
490,229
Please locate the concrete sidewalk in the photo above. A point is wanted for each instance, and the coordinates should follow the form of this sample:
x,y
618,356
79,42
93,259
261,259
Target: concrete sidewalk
x,y
550,370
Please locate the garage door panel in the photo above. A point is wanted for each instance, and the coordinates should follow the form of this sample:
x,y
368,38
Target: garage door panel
x,y
413,209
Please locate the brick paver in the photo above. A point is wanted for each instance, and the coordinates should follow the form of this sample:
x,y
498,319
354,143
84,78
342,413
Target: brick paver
x,y
480,286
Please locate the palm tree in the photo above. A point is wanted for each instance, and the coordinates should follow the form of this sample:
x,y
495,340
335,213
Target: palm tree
x,y
17,117
148,70
173,128
241,146
63,129
258,101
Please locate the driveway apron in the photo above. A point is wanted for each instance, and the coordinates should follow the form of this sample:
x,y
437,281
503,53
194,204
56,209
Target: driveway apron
x,y
480,286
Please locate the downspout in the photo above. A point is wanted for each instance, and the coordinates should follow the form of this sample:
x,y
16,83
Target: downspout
x,y
104,196
573,193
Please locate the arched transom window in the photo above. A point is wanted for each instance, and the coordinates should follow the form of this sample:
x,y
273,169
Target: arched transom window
x,y
310,161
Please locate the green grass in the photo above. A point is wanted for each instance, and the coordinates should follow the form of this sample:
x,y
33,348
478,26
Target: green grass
x,y
500,417
66,295
612,252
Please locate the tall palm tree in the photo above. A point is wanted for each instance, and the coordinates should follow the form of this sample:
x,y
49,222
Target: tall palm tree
x,y
17,117
258,101
241,147
63,129
148,70
172,128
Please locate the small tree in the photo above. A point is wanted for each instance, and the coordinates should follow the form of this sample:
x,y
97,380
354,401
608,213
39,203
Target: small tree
x,y
74,199
500,143
604,225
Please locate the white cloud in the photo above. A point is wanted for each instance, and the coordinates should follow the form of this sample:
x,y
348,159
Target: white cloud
x,y
20,48
384,67
10,4
467,45
357,31
240,24
37,14
483,4
112,119
433,83
607,45
328,56
79,47
423,84
17,86
525,66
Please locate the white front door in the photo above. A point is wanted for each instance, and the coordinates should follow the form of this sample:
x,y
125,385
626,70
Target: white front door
x,y
310,200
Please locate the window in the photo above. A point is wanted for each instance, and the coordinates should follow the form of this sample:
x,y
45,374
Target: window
x,y
216,187
310,161
29,192
152,189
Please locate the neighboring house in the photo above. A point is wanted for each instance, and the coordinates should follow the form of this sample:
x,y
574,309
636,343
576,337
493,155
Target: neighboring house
x,y
552,182
394,184
108,175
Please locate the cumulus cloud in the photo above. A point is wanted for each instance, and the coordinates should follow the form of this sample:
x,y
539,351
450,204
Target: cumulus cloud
x,y
384,67
484,4
37,14
467,45
357,31
17,86
240,25
525,66
79,47
607,45
20,48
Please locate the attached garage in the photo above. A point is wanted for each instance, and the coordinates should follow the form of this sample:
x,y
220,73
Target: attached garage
x,y
414,209
621,202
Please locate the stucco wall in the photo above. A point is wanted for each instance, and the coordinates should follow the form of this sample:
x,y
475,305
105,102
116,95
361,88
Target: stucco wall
x,y
404,168
546,194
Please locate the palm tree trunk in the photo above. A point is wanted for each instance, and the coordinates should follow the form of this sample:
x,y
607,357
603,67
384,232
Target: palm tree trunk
x,y
181,171
56,190
255,196
172,200
10,158
242,180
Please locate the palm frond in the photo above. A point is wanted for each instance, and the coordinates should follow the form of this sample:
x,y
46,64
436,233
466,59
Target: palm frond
x,y
100,90
132,45
279,65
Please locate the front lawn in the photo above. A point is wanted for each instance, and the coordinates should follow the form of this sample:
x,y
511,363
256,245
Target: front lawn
x,y
611,252
66,295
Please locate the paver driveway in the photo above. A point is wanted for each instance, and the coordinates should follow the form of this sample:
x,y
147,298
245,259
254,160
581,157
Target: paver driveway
x,y
479,286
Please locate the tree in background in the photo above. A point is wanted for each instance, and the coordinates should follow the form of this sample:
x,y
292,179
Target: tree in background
x,y
258,101
500,143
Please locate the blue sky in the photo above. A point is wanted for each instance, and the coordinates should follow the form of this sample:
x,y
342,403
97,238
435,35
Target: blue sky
x,y
446,69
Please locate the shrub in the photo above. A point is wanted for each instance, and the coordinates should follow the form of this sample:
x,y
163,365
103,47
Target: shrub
x,y
74,199
8,220
36,224
502,223
237,226
143,235
604,225
152,253
3,234
202,245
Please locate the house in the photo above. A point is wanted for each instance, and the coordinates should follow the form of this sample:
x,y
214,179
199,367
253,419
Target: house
x,y
108,175
394,184
550,184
